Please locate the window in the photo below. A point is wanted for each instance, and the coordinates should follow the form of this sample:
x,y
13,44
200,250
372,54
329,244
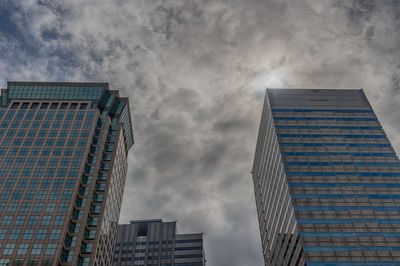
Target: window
x,y
37,207
50,207
14,234
34,183
29,195
46,183
59,220
12,207
41,234
54,194
26,172
28,234
10,183
44,106
3,233
38,172
51,249
22,182
9,249
61,172
23,248
36,249
20,220
33,219
63,207
46,219
25,207
17,194
55,234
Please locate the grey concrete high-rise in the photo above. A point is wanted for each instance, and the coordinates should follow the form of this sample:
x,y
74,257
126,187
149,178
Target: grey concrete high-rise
x,y
154,242
326,181
63,165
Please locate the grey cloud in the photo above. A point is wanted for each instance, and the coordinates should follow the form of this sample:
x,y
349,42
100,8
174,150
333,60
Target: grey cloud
x,y
195,73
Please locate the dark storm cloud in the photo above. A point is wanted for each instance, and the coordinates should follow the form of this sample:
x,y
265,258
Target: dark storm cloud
x,y
195,73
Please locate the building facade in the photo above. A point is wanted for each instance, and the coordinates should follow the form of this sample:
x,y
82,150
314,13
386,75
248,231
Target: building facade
x,y
154,242
326,181
63,165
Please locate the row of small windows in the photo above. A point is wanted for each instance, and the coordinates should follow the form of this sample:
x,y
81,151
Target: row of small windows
x,y
30,194
331,136
185,256
353,263
347,248
34,183
42,152
38,172
328,127
341,163
25,105
325,118
348,221
36,207
10,249
29,234
14,115
346,208
45,125
138,243
157,250
366,185
42,161
320,110
342,196
333,144
45,133
28,142
361,174
32,220
366,154
346,234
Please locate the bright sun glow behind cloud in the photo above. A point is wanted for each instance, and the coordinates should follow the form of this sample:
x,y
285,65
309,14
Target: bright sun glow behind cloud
x,y
275,78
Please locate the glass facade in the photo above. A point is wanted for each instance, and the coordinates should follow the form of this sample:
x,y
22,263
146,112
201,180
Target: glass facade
x,y
154,242
338,175
60,155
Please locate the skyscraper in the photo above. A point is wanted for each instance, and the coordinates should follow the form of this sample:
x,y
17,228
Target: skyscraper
x,y
326,181
63,165
154,242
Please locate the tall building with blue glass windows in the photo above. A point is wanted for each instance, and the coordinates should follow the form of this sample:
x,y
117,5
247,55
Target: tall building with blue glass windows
x,y
63,164
326,181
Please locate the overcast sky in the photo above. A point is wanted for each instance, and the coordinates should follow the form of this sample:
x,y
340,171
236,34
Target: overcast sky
x,y
195,73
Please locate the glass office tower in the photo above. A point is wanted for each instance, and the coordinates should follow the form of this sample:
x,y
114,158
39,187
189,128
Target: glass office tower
x,y
154,242
326,181
63,164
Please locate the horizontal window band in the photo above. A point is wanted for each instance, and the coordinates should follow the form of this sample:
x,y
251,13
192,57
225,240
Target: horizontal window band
x,y
341,163
346,208
347,248
321,110
348,221
346,234
325,118
353,263
366,154
361,174
366,185
328,127
331,136
301,144
342,196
